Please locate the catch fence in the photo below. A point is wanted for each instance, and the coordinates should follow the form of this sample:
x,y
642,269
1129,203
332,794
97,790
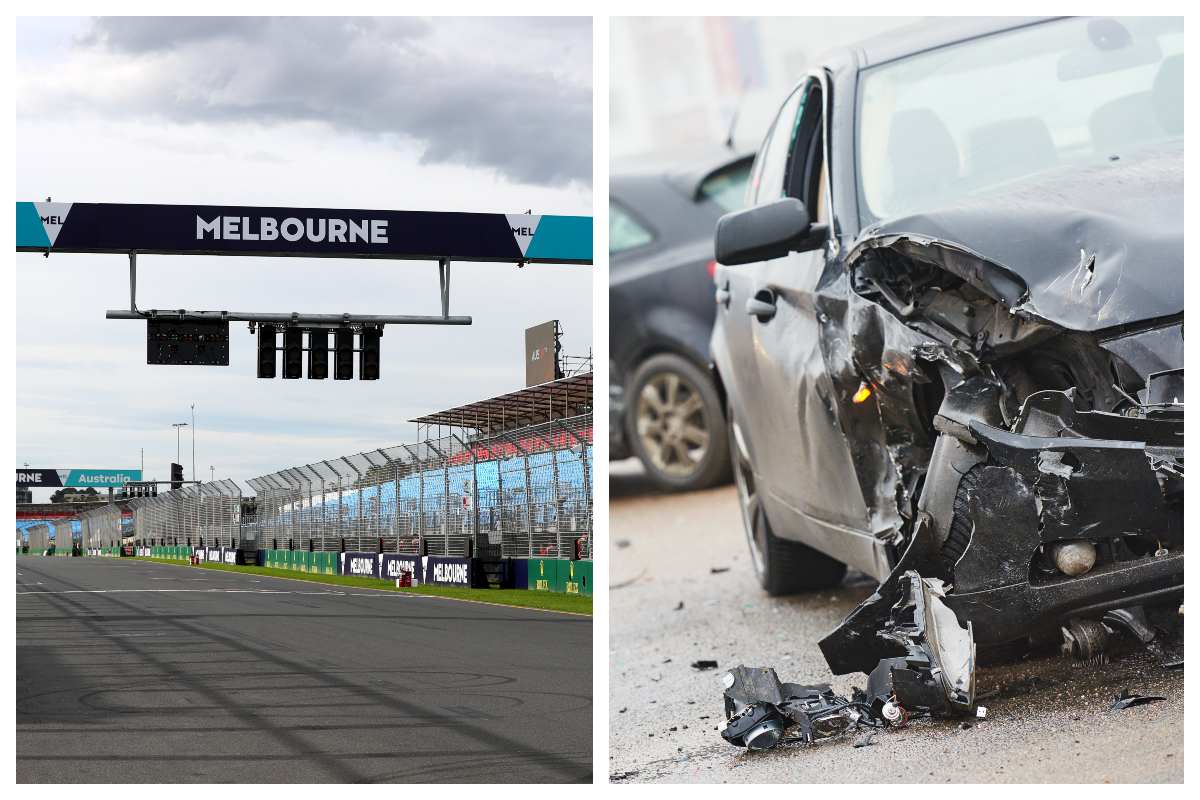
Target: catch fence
x,y
208,514
39,537
523,493
102,527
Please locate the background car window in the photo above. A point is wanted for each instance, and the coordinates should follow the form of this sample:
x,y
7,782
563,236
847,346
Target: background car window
x,y
727,188
624,232
772,160
935,127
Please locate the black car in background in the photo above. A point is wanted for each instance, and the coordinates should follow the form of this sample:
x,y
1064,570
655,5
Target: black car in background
x,y
664,409
949,333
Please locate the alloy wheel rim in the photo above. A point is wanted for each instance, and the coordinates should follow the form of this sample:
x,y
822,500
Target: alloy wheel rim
x,y
672,425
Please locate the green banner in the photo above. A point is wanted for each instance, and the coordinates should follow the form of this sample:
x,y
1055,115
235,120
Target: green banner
x,y
560,575
576,577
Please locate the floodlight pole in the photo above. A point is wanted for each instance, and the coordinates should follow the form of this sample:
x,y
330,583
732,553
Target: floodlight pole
x,y
177,426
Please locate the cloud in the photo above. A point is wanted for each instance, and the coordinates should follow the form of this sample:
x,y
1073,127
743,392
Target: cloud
x,y
119,114
510,95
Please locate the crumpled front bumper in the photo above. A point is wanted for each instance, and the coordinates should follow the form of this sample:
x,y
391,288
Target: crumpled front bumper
x,y
1070,475
1062,474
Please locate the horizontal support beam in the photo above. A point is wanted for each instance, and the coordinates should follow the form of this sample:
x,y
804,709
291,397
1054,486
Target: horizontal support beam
x,y
333,320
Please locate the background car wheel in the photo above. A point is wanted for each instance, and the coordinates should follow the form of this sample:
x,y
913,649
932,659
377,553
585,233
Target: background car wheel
x,y
676,425
781,566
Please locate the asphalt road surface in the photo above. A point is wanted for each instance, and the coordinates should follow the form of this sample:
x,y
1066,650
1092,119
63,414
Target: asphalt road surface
x,y
141,672
1048,719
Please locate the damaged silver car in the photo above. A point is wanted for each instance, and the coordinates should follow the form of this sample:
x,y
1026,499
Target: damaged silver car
x,y
949,336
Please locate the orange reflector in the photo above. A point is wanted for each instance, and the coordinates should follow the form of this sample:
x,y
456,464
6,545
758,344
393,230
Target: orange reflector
x,y
864,391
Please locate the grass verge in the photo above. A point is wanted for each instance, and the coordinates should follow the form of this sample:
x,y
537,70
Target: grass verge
x,y
523,598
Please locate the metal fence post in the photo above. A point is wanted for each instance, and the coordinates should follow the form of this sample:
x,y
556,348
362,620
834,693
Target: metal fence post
x,y
558,551
528,502
446,505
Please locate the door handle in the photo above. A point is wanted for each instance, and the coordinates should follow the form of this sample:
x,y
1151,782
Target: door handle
x,y
761,306
723,294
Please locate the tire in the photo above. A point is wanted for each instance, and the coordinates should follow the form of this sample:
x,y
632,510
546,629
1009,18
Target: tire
x,y
959,537
782,567
675,426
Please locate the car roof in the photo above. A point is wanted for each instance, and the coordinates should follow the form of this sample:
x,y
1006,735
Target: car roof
x,y
684,173
932,33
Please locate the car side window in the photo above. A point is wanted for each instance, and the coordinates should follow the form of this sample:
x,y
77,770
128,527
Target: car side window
x,y
806,168
770,167
625,232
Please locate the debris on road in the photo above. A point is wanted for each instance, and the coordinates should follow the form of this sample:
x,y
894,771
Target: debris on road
x,y
718,570
629,582
925,666
680,606
704,664
1128,699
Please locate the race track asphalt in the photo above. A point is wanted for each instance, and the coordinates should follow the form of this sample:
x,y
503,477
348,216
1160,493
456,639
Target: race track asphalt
x,y
131,672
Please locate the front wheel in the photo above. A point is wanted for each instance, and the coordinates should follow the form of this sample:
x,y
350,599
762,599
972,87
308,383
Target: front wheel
x,y
782,567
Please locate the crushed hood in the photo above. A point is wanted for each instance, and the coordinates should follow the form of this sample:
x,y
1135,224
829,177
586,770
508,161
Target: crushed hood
x,y
1093,247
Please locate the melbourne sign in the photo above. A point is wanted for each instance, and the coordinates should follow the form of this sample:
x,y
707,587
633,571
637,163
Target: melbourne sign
x,y
78,478
435,570
307,232
364,565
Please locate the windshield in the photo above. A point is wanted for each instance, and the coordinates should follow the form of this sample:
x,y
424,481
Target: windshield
x,y
936,127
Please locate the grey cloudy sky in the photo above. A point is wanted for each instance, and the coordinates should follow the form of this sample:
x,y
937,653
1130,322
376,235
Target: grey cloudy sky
x,y
437,114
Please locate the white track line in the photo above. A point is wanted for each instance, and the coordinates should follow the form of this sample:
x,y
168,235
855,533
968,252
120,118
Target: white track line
x,y
174,591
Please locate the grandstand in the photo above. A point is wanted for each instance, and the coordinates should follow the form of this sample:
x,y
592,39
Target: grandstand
x,y
506,477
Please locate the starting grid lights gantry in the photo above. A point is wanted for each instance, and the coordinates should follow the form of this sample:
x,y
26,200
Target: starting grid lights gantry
x,y
202,337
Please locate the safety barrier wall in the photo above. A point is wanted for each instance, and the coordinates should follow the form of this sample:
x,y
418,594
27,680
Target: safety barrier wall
x,y
543,574
301,561
560,575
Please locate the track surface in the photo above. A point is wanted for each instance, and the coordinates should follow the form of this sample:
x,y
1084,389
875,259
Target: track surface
x,y
141,672
1048,720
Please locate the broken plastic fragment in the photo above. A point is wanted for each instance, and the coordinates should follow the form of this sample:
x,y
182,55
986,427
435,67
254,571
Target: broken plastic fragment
x,y
1127,699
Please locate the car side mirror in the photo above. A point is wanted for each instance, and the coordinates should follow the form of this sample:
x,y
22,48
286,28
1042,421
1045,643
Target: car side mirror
x,y
765,232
